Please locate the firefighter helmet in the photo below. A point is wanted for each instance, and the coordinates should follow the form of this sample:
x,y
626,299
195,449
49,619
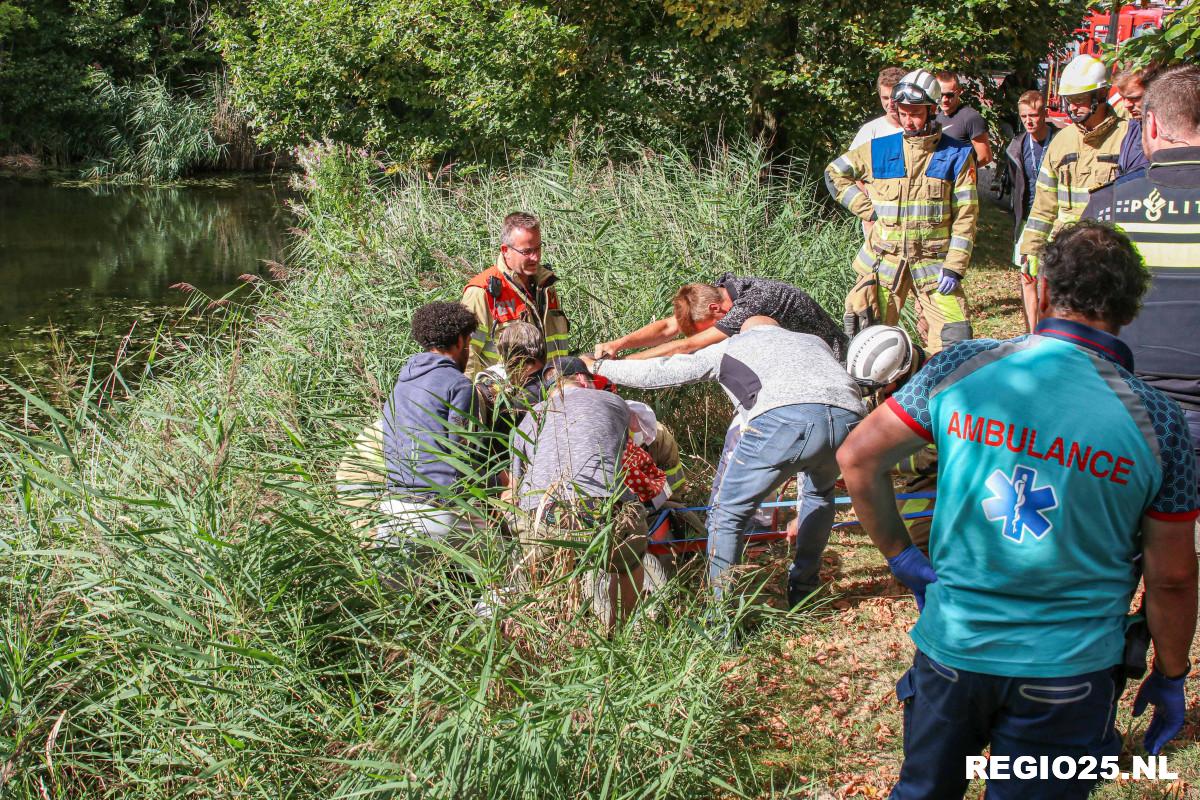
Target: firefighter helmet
x,y
917,88
1082,75
879,355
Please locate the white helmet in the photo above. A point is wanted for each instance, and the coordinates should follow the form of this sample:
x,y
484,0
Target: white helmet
x,y
1082,75
879,355
917,88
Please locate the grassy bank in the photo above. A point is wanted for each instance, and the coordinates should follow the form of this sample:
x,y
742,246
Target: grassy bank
x,y
186,610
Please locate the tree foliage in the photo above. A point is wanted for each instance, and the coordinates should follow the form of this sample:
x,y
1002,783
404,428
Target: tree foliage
x,y
1177,41
50,48
427,78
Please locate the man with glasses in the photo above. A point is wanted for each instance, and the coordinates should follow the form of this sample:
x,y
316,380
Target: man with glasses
x,y
518,287
960,121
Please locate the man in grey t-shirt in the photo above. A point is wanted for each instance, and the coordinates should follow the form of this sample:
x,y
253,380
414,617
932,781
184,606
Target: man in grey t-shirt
x,y
795,404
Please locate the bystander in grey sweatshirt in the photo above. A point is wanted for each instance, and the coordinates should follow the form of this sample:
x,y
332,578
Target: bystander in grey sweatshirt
x,y
760,369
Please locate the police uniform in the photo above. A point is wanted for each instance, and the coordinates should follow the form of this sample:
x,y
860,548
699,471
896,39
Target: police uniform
x,y
1158,208
1076,162
921,195
497,297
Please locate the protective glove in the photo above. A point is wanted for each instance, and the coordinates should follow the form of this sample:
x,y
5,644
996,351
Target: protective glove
x,y
949,282
1166,695
1029,268
912,568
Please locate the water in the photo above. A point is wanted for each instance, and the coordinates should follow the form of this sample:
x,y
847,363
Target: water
x,y
82,267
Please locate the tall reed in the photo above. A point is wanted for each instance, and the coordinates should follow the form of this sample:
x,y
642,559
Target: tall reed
x,y
186,607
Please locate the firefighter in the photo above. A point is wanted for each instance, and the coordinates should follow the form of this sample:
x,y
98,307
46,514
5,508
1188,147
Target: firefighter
x,y
517,287
881,359
1082,157
918,188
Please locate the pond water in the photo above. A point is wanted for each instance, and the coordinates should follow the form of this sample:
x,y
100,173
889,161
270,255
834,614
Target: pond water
x,y
80,267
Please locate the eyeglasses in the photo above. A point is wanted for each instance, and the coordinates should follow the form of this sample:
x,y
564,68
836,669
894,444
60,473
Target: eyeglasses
x,y
949,95
527,251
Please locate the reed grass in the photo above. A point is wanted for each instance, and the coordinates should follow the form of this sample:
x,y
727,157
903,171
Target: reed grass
x,y
186,610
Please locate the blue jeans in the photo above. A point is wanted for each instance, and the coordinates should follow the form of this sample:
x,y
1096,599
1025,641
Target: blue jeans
x,y
950,714
775,445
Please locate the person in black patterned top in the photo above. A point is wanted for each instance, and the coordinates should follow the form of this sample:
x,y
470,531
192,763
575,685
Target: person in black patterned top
x,y
707,313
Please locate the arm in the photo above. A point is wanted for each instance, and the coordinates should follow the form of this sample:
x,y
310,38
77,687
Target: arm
x,y
665,452
964,216
1169,564
659,373
983,149
475,301
842,177
866,458
683,346
655,333
556,327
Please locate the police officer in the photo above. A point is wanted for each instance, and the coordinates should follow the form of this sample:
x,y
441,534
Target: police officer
x,y
920,194
517,287
1158,207
1082,157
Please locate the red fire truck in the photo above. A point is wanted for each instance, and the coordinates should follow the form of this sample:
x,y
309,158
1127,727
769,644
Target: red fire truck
x,y
1132,21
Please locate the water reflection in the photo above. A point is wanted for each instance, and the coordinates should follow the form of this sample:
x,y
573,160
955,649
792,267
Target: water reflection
x,y
92,261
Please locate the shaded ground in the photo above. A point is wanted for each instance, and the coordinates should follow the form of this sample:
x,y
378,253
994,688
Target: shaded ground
x,y
828,718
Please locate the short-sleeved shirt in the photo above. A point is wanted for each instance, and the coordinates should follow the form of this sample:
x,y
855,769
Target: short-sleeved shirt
x,y
794,309
1050,454
880,126
965,124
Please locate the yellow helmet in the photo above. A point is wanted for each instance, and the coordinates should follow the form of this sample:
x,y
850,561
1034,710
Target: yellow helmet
x,y
1084,74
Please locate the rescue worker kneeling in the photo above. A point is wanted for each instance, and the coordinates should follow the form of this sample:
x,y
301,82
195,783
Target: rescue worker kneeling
x,y
917,191
567,468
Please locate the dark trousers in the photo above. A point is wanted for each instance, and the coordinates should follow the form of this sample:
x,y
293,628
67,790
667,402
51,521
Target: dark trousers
x,y
950,714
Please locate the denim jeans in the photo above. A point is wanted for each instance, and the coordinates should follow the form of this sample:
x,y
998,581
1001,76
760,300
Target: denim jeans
x,y
950,714
775,445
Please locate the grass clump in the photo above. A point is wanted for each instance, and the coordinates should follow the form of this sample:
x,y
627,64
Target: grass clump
x,y
185,606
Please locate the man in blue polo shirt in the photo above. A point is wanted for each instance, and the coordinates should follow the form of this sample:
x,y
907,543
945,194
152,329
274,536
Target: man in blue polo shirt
x,y
1061,478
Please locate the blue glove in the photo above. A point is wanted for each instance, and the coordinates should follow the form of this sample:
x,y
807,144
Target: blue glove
x,y
912,568
1166,695
948,283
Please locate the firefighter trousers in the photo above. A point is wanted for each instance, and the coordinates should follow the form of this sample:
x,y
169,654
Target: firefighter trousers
x,y
942,319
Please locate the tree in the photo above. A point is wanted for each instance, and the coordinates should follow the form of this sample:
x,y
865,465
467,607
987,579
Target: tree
x,y
1177,41
427,79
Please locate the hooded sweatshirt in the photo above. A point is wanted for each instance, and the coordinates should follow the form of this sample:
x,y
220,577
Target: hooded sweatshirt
x,y
431,402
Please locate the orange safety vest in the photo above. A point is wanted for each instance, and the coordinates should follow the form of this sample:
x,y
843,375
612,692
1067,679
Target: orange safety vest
x,y
507,303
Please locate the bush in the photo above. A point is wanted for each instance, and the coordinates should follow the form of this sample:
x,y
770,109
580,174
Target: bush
x,y
188,612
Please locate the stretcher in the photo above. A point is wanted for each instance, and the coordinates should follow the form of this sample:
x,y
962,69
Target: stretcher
x,y
665,546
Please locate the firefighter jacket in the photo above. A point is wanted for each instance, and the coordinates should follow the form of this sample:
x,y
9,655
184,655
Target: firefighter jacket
x,y
1076,161
1158,208
920,192
497,297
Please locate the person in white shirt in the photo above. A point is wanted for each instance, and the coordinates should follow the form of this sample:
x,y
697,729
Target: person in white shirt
x,y
889,123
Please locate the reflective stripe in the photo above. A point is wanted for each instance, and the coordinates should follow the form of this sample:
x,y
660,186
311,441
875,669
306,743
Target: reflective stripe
x,y
1169,255
1049,184
848,196
967,195
1039,225
959,243
926,272
675,477
896,233
1185,228
914,210
842,166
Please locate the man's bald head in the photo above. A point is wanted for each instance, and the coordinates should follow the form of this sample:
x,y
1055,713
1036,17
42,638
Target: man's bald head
x,y
758,321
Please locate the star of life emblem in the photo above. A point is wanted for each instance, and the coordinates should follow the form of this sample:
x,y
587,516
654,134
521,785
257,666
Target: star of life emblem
x,y
1019,502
